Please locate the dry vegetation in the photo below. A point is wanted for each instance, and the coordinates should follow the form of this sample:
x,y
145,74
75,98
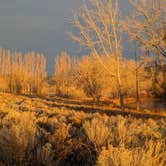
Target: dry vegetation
x,y
35,131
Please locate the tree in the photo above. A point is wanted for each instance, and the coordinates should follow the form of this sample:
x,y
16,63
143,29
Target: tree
x,y
5,61
98,29
147,24
63,73
23,74
91,77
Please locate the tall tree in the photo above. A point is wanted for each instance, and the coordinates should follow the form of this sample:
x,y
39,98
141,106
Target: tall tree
x,y
97,27
63,73
21,73
147,24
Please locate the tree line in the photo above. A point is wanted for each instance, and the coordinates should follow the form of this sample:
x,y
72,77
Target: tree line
x,y
86,77
79,77
22,73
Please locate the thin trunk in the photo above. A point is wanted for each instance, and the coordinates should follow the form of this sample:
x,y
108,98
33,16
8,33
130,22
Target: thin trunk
x,y
137,89
121,97
137,82
161,65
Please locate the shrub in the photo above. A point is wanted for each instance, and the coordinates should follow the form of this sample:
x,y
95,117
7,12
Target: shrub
x,y
98,132
151,154
17,137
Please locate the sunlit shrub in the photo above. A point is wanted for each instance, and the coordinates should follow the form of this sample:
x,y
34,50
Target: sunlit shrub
x,y
151,154
17,137
98,132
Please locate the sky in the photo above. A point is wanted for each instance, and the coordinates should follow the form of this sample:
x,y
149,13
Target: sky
x,y
39,25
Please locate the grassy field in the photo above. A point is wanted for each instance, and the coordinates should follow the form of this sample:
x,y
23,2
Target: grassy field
x,y
57,131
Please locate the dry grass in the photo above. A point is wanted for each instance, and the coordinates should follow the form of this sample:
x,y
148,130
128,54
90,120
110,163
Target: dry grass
x,y
151,154
36,131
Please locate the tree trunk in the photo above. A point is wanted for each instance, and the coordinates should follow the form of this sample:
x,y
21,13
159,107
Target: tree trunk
x,y
137,82
137,92
121,97
161,65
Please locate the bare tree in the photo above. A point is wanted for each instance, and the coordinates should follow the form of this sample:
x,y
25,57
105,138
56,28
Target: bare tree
x,y
147,24
98,29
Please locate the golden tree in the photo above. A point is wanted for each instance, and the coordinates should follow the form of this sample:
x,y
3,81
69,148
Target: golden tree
x,y
98,29
147,24
63,73
5,67
20,73
91,77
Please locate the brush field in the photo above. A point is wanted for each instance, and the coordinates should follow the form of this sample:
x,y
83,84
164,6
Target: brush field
x,y
35,131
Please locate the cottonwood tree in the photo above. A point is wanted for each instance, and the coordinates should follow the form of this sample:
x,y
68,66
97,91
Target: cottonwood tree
x,y
27,73
22,74
90,76
5,61
97,27
63,73
147,24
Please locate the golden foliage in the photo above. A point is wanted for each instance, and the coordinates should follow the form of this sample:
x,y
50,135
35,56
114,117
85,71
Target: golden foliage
x,y
20,73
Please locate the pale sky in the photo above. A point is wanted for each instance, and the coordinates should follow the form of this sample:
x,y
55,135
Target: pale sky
x,y
39,25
